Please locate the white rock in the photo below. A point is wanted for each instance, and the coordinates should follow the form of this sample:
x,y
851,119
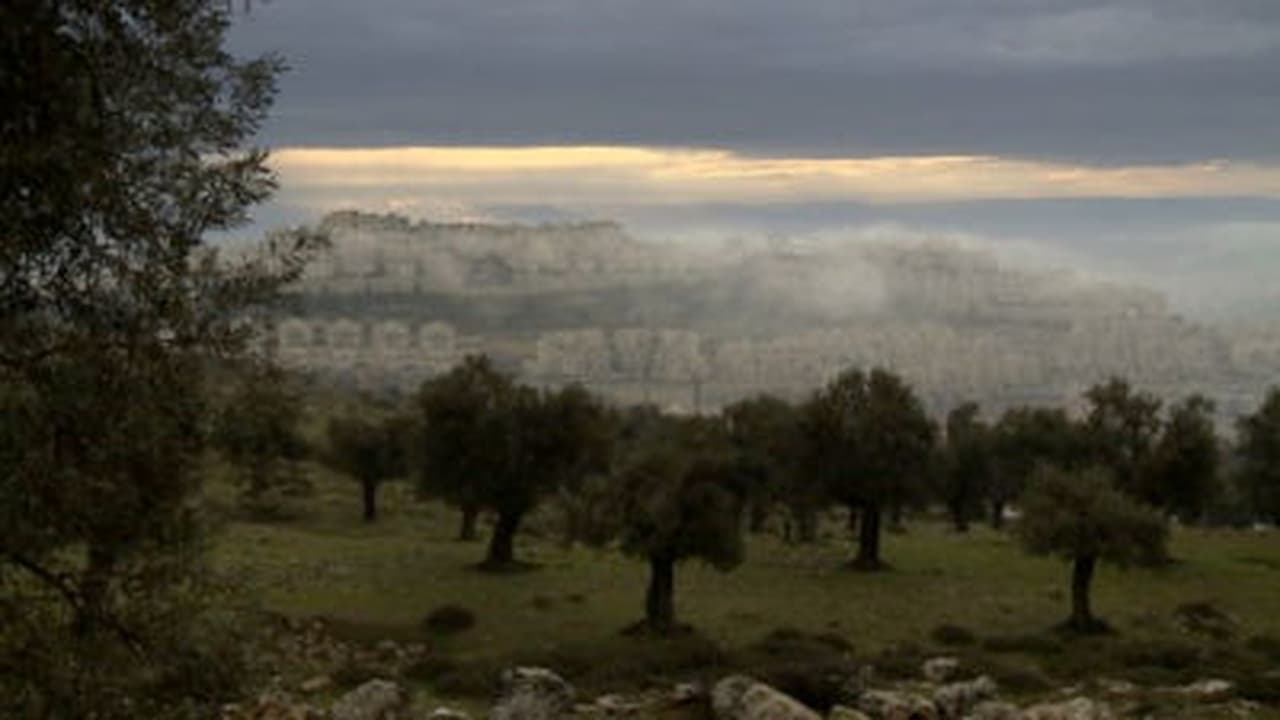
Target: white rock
x,y
532,693
738,697
954,700
444,713
374,700
1080,708
993,710
940,669
890,705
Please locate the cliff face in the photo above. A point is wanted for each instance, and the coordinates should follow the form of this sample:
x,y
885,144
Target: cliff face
x,y
398,301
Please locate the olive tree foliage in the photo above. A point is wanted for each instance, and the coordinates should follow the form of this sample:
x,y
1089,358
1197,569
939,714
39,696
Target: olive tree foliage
x,y
124,142
1083,518
1167,459
680,496
1023,439
1182,477
867,439
369,451
763,432
1258,451
256,429
1121,429
466,416
488,443
965,464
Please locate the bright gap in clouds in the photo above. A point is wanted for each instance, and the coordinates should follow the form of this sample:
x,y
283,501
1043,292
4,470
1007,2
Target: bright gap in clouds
x,y
613,175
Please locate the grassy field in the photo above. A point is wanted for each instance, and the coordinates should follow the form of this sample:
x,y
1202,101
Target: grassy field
x,y
380,581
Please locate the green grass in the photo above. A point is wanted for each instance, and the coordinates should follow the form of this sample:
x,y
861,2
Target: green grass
x,y
380,581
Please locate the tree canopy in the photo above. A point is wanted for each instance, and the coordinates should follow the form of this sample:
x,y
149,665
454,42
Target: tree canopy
x,y
867,439
1083,518
125,142
1259,451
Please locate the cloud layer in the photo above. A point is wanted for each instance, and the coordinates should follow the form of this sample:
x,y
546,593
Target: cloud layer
x,y
1094,81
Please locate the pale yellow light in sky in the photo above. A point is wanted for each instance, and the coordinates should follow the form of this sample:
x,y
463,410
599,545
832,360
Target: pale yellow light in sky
x,y
653,175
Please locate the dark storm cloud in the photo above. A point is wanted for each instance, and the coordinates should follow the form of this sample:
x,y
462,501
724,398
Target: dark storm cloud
x,y
1086,80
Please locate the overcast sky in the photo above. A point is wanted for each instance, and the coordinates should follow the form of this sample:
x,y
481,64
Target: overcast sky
x,y
1137,138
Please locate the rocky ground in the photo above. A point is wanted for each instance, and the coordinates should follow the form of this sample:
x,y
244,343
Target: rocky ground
x,y
319,666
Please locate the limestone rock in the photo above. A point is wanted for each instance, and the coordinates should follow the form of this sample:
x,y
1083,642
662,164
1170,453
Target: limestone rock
x,y
993,710
738,697
890,705
1078,709
374,700
532,693
940,669
843,712
313,685
1208,690
444,713
953,701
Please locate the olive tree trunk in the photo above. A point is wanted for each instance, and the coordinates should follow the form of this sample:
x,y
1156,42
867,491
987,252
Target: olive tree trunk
x,y
369,491
659,601
1082,618
868,557
467,530
502,543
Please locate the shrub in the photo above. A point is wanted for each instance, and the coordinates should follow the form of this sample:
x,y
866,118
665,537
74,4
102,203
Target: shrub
x,y
953,635
449,620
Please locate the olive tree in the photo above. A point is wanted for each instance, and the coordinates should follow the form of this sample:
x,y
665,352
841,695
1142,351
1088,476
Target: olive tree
x,y
369,451
1084,519
680,498
867,440
125,144
1258,447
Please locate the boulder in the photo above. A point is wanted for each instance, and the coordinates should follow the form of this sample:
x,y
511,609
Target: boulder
x,y
940,669
444,713
738,697
844,712
992,710
1208,690
1080,708
954,701
532,693
374,700
891,705
313,685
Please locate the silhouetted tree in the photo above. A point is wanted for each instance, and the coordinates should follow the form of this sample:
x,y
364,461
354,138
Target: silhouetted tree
x,y
124,144
1024,438
1258,447
1183,471
762,431
680,498
866,438
467,415
370,452
489,443
1083,518
1121,430
966,464
556,438
257,431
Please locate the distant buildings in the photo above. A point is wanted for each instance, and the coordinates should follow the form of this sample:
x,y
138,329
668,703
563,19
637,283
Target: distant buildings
x,y
397,302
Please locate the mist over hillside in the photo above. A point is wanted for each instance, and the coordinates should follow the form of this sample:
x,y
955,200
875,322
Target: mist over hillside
x,y
693,326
